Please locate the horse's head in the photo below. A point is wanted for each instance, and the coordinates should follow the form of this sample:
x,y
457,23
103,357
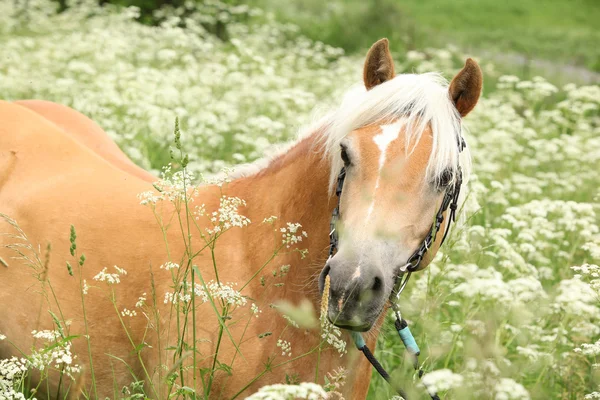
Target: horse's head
x,y
401,153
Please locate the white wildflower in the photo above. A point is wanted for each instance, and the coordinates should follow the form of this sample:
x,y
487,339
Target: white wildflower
x,y
308,391
141,301
56,353
12,374
227,216
285,346
223,291
46,335
149,197
508,389
589,349
291,236
270,220
128,313
255,310
114,278
169,265
442,379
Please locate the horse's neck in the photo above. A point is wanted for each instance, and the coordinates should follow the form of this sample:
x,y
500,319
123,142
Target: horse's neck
x,y
294,188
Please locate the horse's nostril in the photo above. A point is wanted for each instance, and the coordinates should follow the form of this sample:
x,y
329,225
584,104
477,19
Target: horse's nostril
x,y
377,284
322,277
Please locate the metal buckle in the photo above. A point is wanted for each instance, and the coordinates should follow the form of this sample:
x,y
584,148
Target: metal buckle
x,y
401,285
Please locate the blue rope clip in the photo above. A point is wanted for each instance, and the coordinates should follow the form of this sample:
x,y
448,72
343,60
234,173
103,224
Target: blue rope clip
x,y
407,337
358,340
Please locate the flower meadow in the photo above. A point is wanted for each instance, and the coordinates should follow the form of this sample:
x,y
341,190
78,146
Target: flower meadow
x,y
510,307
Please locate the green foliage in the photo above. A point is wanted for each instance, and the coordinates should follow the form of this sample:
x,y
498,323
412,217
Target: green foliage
x,y
556,30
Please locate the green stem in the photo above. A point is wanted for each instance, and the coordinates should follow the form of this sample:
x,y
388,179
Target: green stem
x,y
215,357
114,303
194,332
261,268
214,262
62,371
214,307
257,377
87,332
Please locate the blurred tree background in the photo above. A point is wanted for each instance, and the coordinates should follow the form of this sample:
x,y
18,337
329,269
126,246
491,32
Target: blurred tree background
x,y
558,38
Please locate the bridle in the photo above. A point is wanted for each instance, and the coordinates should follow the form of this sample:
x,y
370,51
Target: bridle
x,y
450,201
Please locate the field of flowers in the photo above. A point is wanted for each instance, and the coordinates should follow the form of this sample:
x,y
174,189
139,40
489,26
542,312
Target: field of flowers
x,y
510,308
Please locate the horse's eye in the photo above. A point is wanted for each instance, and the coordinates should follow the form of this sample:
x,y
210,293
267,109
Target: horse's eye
x,y
345,157
444,180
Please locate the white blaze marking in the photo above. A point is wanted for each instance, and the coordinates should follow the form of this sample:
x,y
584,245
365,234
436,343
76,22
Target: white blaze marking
x,y
388,134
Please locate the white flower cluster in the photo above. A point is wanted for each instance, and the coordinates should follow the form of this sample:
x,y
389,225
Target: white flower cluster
x,y
46,335
308,391
141,301
225,292
332,335
588,349
169,266
173,186
227,216
291,235
55,354
442,379
255,310
217,290
12,374
589,272
285,346
508,389
85,287
128,313
577,298
177,297
110,278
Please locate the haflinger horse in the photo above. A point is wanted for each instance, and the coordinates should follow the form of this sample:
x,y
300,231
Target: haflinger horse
x,y
396,138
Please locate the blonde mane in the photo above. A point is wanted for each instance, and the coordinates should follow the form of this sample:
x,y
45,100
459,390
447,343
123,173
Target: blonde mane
x,y
420,98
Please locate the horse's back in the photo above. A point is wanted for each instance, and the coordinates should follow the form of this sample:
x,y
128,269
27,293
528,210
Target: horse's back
x,y
50,180
85,131
47,172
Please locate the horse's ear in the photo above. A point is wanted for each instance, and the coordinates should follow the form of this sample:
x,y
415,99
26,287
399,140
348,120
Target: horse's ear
x,y
465,88
379,66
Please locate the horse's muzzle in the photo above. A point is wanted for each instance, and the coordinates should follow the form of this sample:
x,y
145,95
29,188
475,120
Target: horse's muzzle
x,y
356,295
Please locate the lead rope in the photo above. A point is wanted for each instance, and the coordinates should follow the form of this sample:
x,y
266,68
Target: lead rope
x,y
407,338
360,343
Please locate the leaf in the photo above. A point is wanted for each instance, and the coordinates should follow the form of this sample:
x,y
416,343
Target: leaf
x,y
303,314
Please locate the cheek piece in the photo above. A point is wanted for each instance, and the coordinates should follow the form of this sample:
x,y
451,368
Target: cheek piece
x,y
403,273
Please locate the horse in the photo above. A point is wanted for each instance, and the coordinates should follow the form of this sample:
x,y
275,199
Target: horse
x,y
394,135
